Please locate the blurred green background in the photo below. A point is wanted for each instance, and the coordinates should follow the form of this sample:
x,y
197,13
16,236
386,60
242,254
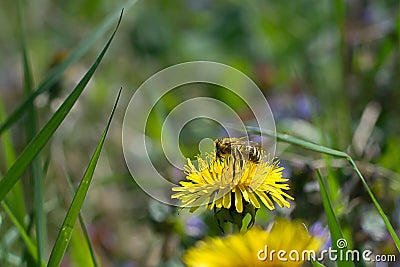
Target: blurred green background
x,y
329,70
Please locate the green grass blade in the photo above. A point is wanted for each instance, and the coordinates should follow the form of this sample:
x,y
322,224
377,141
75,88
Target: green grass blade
x,y
57,72
16,196
87,240
336,153
9,153
300,142
83,227
378,207
30,245
35,146
78,252
64,235
31,129
38,203
334,227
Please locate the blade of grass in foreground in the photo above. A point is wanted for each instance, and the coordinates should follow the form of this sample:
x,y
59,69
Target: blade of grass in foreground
x,y
35,146
31,125
30,245
64,235
334,227
16,196
57,72
83,226
329,151
78,251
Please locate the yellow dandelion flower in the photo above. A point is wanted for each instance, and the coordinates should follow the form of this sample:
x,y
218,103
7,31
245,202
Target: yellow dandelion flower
x,y
257,247
230,184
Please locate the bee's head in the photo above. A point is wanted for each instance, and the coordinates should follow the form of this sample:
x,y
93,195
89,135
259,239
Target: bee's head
x,y
223,146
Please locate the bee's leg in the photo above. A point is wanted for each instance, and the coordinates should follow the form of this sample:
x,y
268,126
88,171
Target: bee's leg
x,y
242,159
233,156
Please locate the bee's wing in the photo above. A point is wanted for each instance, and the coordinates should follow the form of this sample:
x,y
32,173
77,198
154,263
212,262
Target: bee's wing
x,y
253,143
244,141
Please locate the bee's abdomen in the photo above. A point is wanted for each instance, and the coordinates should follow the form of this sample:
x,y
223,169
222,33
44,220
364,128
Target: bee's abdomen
x,y
253,153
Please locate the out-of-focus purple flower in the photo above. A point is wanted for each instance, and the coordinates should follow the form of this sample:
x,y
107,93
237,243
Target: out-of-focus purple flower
x,y
296,105
304,106
195,227
287,172
319,230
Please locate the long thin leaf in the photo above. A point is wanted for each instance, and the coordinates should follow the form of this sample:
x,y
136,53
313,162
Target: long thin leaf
x,y
64,235
83,226
329,151
9,153
28,242
16,196
35,146
378,207
31,129
78,253
334,227
302,143
55,74
38,203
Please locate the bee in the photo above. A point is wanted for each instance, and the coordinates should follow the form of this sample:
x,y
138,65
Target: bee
x,y
243,147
